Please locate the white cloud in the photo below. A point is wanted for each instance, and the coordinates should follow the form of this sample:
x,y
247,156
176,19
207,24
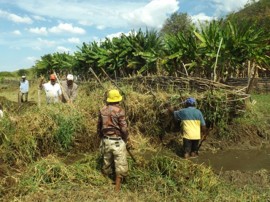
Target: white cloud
x,y
74,40
153,14
42,30
101,27
109,14
47,43
86,22
31,59
62,49
15,47
96,38
61,28
41,44
118,34
201,17
39,18
15,18
66,27
17,32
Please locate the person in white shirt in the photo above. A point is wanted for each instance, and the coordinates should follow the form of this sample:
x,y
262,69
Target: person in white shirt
x,y
52,89
70,89
24,88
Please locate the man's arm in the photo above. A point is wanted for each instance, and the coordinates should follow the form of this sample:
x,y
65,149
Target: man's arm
x,y
59,92
74,93
123,125
64,87
203,132
41,82
99,126
172,111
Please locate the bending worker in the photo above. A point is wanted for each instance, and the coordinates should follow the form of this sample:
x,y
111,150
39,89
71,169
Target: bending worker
x,y
112,129
70,89
192,122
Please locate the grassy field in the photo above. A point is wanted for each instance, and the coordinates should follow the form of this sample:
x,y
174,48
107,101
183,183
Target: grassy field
x,y
50,153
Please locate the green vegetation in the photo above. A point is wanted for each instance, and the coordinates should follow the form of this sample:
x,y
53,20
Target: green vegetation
x,y
257,115
56,153
193,54
254,12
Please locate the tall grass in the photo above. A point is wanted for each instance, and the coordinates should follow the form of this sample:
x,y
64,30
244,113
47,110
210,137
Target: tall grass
x,y
43,144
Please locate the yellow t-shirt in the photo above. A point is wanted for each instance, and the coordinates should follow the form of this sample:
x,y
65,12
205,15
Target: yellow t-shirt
x,y
191,122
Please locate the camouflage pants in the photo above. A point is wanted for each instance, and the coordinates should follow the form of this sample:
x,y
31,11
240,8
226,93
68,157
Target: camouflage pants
x,y
114,152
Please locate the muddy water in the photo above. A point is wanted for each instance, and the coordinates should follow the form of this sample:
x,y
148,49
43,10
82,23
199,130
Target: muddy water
x,y
250,160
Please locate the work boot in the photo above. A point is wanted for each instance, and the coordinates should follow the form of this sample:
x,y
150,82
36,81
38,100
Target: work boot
x,y
118,180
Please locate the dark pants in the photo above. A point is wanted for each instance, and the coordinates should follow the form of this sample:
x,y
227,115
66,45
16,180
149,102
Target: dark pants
x,y
190,146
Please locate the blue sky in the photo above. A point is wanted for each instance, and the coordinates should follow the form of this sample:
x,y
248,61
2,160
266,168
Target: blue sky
x,y
30,29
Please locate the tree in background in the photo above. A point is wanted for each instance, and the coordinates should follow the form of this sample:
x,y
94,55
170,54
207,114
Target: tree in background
x,y
177,22
22,72
61,63
253,13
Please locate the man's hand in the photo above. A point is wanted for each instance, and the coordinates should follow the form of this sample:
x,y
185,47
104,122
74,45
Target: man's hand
x,y
169,108
42,79
204,136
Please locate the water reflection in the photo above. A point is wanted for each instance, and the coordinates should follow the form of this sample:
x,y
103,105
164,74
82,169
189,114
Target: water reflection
x,y
243,160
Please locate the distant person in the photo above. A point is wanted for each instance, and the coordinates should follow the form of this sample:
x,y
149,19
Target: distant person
x,y
192,123
24,88
52,90
70,89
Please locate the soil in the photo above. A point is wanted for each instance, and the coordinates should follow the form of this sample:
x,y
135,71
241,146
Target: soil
x,y
259,178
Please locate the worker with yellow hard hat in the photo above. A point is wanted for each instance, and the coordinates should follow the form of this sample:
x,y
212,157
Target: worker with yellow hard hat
x,y
112,130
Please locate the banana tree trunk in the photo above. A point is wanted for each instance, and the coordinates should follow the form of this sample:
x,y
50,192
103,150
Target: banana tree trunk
x,y
215,67
251,81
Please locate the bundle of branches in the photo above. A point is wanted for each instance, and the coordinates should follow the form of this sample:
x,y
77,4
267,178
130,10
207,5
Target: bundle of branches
x,y
219,103
180,83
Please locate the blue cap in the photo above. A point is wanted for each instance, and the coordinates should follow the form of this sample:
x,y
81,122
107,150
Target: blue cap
x,y
191,101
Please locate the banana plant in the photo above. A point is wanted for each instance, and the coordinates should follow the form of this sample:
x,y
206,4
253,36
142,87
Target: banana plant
x,y
62,63
180,52
208,40
44,65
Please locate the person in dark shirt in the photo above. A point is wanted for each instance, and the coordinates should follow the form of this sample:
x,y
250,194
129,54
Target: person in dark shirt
x,y
192,124
112,130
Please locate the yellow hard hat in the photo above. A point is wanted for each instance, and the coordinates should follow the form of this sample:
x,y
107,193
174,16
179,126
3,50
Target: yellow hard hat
x,y
114,96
